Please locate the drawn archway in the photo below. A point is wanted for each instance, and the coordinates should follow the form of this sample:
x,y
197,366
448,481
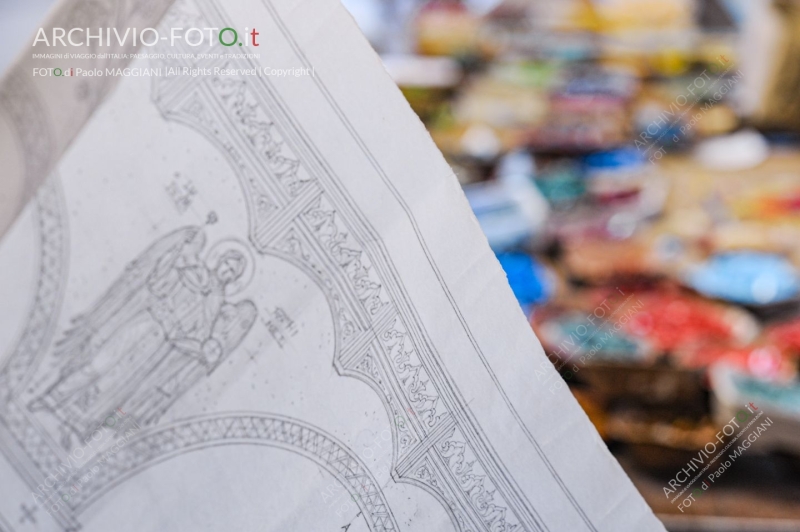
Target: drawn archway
x,y
298,211
194,434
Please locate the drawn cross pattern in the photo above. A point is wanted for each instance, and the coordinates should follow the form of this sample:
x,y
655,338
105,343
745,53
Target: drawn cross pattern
x,y
28,513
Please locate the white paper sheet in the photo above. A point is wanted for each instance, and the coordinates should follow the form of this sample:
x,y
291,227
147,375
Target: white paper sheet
x,y
260,302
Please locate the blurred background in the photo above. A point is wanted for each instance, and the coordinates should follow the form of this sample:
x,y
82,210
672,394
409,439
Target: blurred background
x,y
635,165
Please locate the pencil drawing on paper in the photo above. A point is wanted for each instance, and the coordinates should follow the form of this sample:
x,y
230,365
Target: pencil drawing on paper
x,y
166,321
183,305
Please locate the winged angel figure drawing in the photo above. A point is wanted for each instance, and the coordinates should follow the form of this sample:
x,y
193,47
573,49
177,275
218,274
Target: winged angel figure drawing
x,y
165,323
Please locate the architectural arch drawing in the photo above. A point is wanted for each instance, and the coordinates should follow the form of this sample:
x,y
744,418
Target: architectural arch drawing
x,y
28,351
298,210
240,428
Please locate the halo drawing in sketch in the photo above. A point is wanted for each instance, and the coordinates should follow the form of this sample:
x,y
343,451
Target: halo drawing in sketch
x,y
163,324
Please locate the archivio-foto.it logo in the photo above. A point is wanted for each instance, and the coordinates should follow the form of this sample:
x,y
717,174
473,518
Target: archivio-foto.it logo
x,y
146,37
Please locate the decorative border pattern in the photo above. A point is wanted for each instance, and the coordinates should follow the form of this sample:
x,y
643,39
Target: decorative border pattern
x,y
250,428
41,321
299,211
